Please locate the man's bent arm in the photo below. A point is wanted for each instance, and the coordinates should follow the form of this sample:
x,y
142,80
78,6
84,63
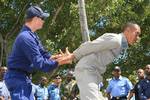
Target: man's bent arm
x,y
106,42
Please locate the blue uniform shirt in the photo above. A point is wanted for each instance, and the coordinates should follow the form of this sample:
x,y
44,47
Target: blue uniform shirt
x,y
4,91
34,87
28,53
119,87
41,93
54,92
144,89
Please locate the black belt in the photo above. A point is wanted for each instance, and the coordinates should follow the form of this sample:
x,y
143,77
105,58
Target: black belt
x,y
119,98
20,70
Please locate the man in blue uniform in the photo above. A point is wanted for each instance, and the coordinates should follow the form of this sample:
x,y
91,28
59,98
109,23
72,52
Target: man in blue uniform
x,y
54,88
41,91
28,55
144,85
119,86
134,91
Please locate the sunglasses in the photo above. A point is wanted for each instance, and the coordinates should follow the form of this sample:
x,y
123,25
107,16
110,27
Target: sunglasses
x,y
57,78
42,18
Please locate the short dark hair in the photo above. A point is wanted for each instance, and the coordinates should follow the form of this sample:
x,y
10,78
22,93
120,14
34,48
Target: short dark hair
x,y
147,66
57,75
43,77
127,25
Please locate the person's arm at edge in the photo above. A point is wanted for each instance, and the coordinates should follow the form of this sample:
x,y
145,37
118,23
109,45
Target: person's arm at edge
x,y
130,95
108,90
130,89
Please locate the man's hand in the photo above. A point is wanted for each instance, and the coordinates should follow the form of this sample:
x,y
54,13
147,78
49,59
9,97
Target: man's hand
x,y
65,58
54,57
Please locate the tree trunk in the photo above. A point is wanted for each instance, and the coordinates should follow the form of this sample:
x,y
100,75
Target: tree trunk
x,y
83,21
2,48
55,16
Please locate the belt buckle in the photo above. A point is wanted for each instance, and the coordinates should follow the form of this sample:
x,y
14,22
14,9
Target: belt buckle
x,y
117,98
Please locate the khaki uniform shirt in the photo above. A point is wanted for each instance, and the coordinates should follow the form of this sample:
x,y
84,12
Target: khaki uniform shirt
x,y
100,52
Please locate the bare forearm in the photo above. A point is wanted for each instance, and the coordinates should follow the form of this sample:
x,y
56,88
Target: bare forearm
x,y
130,95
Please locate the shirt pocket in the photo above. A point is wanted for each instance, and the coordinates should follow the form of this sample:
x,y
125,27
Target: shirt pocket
x,y
39,93
122,85
53,92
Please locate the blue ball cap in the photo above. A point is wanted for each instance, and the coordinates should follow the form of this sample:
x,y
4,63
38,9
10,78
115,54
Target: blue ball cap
x,y
36,11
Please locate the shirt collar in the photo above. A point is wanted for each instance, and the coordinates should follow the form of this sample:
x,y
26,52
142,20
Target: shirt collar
x,y
54,85
120,77
124,43
41,86
25,28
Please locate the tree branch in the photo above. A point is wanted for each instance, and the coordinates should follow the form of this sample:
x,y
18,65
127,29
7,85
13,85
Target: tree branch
x,y
1,57
56,14
12,31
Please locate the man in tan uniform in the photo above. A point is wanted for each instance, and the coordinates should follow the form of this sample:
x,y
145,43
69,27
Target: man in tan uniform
x,y
94,55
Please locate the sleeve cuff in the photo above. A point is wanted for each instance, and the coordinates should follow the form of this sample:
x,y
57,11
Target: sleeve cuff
x,y
53,65
77,55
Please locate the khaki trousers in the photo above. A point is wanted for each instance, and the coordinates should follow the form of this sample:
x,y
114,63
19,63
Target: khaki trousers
x,y
88,80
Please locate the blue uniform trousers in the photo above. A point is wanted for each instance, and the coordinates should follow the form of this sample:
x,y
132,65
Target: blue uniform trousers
x,y
19,86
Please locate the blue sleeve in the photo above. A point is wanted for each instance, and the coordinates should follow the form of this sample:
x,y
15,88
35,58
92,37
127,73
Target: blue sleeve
x,y
45,54
129,85
108,89
141,92
34,91
50,87
31,51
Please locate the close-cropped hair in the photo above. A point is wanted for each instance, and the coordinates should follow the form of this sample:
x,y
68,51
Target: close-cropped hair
x,y
28,19
128,25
